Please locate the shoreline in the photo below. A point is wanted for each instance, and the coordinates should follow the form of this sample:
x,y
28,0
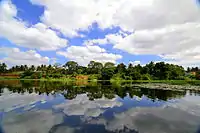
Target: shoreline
x,y
140,81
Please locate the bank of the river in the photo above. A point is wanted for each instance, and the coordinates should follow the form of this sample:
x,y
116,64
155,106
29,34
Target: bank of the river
x,y
176,82
142,81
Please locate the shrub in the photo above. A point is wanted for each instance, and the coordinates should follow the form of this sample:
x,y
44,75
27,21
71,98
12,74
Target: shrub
x,y
146,77
26,74
36,75
116,77
94,77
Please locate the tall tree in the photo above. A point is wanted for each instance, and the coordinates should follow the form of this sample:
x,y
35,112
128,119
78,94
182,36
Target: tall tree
x,y
121,68
32,68
3,67
107,73
188,69
109,65
71,67
94,67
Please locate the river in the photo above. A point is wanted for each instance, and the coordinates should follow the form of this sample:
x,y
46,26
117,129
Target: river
x,y
82,107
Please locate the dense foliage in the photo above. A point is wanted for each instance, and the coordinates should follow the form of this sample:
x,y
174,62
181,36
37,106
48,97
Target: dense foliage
x,y
107,71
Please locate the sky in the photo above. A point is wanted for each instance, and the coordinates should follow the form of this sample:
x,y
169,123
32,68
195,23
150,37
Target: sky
x,y
36,32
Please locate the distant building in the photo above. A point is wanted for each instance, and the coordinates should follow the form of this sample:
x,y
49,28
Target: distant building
x,y
190,73
193,73
82,77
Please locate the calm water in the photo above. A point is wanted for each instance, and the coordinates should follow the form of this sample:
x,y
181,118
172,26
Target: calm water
x,y
81,107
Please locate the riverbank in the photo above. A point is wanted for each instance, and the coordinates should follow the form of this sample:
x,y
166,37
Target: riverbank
x,y
178,82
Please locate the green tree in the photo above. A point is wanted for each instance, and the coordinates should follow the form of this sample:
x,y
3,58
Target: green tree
x,y
25,67
3,67
135,75
94,67
197,76
121,68
109,65
188,69
57,65
32,68
82,70
107,73
149,68
146,77
71,67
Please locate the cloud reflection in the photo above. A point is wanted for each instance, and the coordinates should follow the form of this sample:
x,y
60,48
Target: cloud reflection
x,y
16,100
40,121
170,118
81,105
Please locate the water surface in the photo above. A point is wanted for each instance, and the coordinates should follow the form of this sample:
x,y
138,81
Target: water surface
x,y
82,107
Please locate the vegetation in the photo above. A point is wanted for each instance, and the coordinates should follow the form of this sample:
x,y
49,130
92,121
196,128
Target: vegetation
x,y
98,71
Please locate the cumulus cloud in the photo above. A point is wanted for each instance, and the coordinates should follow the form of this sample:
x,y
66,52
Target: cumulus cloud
x,y
137,15
153,14
37,36
81,105
78,15
170,39
178,44
13,56
84,54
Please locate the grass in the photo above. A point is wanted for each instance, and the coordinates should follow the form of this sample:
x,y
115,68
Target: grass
x,y
181,82
175,82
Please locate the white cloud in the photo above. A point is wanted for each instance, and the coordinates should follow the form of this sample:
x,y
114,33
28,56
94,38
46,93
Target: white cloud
x,y
170,39
84,54
109,39
37,36
74,15
137,15
81,105
174,42
153,14
13,56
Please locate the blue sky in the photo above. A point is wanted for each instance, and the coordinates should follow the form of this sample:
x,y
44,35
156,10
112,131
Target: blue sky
x,y
44,32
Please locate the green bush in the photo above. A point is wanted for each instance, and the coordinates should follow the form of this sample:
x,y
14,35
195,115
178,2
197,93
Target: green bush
x,y
26,74
187,78
136,75
56,76
116,77
94,77
146,77
36,75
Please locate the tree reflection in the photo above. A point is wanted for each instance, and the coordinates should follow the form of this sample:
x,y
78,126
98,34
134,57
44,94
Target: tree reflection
x,y
93,90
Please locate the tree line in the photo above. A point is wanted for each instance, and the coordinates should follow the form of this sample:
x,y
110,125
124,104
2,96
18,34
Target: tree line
x,y
107,71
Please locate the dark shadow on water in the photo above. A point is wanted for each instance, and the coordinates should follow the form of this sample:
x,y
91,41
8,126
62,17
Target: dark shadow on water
x,y
94,90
